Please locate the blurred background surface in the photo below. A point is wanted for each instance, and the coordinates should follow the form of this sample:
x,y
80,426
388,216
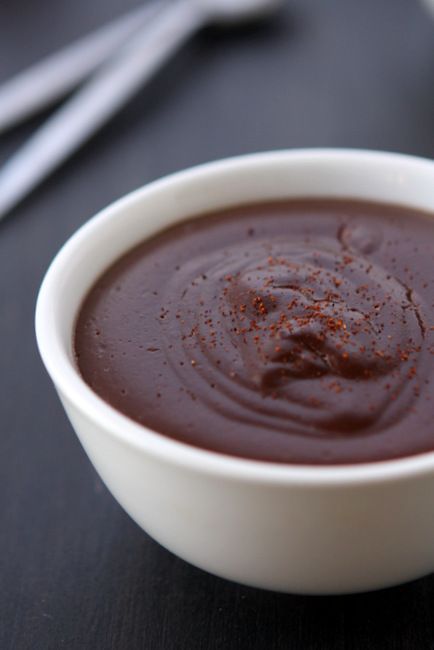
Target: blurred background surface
x,y
75,571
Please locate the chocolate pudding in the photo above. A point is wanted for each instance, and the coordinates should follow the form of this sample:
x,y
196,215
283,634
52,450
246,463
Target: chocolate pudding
x,y
295,332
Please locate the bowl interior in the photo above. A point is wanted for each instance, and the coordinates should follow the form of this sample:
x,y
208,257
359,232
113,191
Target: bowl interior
x,y
382,177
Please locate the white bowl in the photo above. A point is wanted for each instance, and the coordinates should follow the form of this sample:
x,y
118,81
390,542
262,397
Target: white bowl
x,y
302,529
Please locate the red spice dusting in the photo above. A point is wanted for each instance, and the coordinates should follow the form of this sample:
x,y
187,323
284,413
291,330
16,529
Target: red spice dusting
x,y
259,305
335,387
412,372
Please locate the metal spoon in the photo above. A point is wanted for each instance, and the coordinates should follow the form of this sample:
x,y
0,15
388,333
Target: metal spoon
x,y
49,80
111,88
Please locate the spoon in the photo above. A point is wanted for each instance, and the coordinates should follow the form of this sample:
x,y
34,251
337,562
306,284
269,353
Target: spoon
x,y
113,86
50,80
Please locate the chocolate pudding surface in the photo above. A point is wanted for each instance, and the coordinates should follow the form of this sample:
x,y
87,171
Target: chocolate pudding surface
x,y
299,331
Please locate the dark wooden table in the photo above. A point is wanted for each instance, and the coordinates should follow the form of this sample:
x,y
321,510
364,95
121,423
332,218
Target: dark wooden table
x,y
75,572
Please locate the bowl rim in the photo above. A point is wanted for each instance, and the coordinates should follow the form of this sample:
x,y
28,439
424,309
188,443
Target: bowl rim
x,y
126,431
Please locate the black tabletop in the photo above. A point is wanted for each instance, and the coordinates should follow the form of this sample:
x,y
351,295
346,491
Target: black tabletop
x,y
75,571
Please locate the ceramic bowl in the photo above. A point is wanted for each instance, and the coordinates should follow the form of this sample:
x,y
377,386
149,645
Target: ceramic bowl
x,y
300,529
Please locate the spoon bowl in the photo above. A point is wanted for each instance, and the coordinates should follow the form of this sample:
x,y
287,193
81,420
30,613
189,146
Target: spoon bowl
x,y
227,12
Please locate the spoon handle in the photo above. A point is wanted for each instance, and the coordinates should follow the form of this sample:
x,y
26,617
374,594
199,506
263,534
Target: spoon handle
x,y
52,78
92,106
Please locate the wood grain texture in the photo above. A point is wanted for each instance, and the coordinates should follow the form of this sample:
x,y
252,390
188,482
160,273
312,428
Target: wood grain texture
x,y
75,572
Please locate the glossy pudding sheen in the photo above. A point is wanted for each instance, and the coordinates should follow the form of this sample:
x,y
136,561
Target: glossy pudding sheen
x,y
294,332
